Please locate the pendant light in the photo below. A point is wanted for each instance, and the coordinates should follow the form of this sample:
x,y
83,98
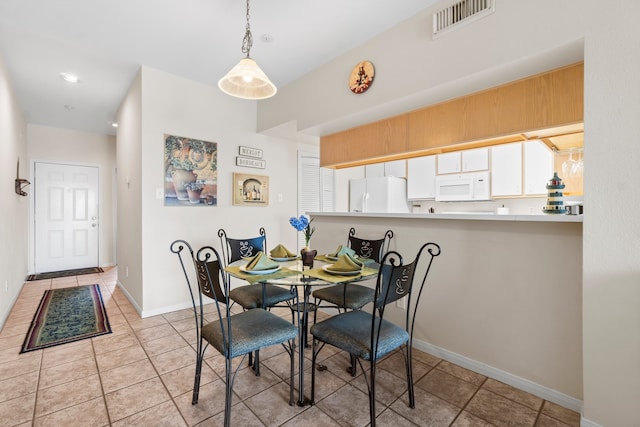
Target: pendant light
x,y
246,80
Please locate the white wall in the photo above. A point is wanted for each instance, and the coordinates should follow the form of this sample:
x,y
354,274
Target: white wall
x,y
495,296
129,210
74,147
611,288
412,70
173,105
15,209
523,38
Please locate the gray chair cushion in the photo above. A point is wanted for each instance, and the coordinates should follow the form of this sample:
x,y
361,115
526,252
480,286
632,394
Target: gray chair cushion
x,y
351,332
250,331
357,295
250,296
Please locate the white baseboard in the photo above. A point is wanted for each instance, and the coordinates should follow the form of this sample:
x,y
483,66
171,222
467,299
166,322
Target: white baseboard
x,y
149,313
586,423
542,392
129,297
163,310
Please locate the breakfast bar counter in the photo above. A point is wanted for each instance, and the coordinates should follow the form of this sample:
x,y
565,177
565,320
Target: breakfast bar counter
x,y
503,299
475,216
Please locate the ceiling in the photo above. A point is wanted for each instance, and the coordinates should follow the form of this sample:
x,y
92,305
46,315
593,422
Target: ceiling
x,y
106,42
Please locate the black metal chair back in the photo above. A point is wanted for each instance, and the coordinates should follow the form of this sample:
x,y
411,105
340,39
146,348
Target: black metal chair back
x,y
236,249
206,263
370,248
368,336
397,280
212,283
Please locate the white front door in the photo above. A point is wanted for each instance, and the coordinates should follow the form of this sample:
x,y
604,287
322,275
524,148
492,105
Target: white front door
x,y
66,217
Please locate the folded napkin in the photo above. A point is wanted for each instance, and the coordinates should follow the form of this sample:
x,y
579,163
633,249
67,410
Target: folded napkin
x,y
347,263
260,262
341,251
281,252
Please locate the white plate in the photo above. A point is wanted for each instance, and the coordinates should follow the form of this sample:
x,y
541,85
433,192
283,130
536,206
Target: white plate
x,y
269,271
328,269
335,258
293,258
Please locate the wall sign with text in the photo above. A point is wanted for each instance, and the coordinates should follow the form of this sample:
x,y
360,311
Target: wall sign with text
x,y
255,153
251,163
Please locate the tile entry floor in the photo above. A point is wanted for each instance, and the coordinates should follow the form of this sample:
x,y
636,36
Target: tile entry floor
x,y
142,375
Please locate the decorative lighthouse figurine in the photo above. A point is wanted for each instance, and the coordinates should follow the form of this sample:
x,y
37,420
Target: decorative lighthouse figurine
x,y
555,205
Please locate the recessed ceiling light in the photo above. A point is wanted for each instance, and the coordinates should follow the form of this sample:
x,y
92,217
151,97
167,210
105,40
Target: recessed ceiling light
x,y
69,78
267,38
115,125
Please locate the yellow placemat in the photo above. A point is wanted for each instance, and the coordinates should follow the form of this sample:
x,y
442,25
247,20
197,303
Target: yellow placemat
x,y
365,261
319,273
257,278
324,258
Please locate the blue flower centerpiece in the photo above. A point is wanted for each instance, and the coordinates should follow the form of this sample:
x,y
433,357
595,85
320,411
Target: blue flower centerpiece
x,y
303,223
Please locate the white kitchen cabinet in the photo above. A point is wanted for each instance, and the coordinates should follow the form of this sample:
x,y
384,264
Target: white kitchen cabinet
x,y
397,168
449,163
475,160
375,170
421,178
506,170
463,161
538,167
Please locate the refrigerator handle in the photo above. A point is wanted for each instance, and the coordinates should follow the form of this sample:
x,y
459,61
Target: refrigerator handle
x,y
365,197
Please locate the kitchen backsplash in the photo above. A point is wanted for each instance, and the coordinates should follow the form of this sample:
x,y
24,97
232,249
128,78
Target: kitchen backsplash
x,y
519,206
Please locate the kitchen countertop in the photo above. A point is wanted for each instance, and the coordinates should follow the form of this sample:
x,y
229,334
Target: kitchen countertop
x,y
474,216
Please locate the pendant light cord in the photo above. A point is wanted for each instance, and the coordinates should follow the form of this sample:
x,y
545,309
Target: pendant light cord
x,y
247,41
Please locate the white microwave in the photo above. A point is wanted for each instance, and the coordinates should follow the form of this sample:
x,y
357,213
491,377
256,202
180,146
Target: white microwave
x,y
463,187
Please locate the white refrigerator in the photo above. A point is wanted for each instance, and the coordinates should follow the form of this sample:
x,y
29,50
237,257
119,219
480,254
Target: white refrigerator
x,y
380,194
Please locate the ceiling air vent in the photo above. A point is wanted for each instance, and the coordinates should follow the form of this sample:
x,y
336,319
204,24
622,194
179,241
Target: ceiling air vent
x,y
459,14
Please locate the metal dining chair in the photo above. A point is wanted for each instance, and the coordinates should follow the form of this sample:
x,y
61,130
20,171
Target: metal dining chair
x,y
232,335
252,296
351,296
368,336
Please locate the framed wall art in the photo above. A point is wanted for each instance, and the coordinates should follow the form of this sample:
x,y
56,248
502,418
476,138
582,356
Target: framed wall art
x,y
250,190
190,172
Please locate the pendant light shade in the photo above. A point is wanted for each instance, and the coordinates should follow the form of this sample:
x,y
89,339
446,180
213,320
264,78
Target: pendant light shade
x,y
247,80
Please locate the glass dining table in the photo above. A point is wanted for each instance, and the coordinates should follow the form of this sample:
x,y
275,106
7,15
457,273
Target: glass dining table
x,y
290,273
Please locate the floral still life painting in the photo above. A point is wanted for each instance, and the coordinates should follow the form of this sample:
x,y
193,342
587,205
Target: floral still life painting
x,y
190,172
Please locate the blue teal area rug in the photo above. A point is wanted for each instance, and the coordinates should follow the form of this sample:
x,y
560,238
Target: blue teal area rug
x,y
66,315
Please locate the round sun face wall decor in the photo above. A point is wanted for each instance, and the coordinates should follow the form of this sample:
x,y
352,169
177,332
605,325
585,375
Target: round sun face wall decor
x,y
361,77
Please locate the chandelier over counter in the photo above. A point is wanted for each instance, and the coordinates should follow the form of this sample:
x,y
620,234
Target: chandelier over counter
x,y
247,80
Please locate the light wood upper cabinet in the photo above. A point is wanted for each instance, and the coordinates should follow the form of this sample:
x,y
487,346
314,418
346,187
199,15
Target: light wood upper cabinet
x,y
364,144
494,116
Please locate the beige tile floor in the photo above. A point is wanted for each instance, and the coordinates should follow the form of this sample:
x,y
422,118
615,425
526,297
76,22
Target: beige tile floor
x,y
142,375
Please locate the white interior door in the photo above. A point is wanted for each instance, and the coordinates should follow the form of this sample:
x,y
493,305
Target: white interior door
x,y
66,217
